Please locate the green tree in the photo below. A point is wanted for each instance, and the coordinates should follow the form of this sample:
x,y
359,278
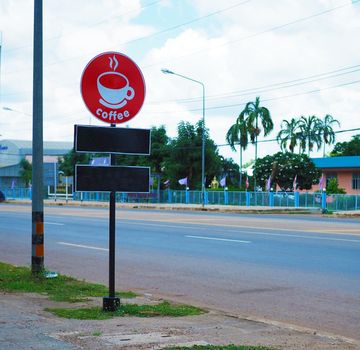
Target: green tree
x,y
310,133
67,163
333,187
185,157
159,151
238,134
327,131
25,171
253,113
283,167
350,148
289,134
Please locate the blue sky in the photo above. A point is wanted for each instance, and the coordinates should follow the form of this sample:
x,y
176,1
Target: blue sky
x,y
300,57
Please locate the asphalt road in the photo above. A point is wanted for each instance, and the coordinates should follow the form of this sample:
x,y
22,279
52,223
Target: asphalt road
x,y
301,270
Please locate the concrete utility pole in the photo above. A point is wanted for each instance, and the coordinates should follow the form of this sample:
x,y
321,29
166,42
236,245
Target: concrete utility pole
x,y
37,256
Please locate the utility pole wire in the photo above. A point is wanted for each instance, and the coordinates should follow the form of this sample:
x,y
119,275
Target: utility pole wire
x,y
249,91
250,36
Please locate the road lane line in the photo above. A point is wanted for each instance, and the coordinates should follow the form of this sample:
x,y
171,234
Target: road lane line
x,y
302,236
83,246
257,233
261,233
326,231
349,232
54,223
218,239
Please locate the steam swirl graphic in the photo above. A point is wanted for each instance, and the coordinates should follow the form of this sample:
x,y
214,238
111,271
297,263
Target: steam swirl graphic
x,y
112,60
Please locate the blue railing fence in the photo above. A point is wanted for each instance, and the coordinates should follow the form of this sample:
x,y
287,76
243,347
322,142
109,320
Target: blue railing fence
x,y
335,202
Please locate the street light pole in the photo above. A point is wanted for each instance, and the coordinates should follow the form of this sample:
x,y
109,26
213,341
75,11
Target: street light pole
x,y
167,71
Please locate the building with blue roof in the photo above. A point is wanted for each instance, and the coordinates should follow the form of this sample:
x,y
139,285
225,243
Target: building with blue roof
x,y
346,169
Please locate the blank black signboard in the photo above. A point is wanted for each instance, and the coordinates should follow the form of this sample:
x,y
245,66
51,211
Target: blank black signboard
x,y
102,139
112,179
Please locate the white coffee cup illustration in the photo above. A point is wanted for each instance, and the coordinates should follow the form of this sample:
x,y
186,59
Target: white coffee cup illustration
x,y
114,89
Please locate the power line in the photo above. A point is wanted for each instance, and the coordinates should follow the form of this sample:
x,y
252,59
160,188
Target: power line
x,y
251,91
268,99
169,29
224,44
244,103
273,140
89,26
156,33
187,23
263,100
257,33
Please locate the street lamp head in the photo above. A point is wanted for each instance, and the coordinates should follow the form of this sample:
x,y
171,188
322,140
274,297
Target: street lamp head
x,y
167,71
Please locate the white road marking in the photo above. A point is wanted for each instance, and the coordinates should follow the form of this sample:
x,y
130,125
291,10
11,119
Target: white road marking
x,y
347,232
259,233
83,246
53,223
302,236
218,239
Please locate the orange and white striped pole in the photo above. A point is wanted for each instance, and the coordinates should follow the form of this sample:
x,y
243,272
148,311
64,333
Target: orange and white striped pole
x,y
37,258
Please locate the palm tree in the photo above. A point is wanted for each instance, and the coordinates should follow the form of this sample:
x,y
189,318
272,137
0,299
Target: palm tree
x,y
251,115
328,134
310,133
238,134
289,133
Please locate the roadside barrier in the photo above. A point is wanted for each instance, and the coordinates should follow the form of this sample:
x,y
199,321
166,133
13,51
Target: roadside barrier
x,y
335,202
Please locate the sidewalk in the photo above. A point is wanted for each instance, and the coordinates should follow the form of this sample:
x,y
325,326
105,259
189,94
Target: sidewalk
x,y
24,326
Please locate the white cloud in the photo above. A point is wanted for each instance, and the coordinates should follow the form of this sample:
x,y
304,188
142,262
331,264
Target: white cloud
x,y
221,51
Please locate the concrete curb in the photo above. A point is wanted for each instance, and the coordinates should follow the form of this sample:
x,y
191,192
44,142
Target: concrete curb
x,y
196,207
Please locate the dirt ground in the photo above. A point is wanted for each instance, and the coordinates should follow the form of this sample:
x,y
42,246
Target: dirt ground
x,y
25,325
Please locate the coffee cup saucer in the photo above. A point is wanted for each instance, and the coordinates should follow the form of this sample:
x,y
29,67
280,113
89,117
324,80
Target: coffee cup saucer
x,y
110,105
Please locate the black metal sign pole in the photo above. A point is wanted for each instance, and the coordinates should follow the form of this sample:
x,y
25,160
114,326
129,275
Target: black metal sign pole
x,y
112,178
111,303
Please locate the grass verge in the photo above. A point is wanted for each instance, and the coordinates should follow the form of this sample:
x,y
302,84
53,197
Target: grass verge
x,y
219,347
96,313
62,288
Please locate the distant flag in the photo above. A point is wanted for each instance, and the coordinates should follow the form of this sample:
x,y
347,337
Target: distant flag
x,y
321,182
183,181
167,183
247,183
223,181
295,183
268,184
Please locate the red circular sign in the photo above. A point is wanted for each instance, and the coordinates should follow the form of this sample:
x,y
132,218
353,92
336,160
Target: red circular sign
x,y
113,87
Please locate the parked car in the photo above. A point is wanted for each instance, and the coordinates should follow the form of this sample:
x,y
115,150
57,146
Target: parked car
x,y
2,197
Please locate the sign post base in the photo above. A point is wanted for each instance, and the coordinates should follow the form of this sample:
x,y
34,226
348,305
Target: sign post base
x,y
111,303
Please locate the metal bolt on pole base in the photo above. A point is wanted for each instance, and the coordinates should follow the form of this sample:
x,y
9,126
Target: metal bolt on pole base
x,y
111,303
